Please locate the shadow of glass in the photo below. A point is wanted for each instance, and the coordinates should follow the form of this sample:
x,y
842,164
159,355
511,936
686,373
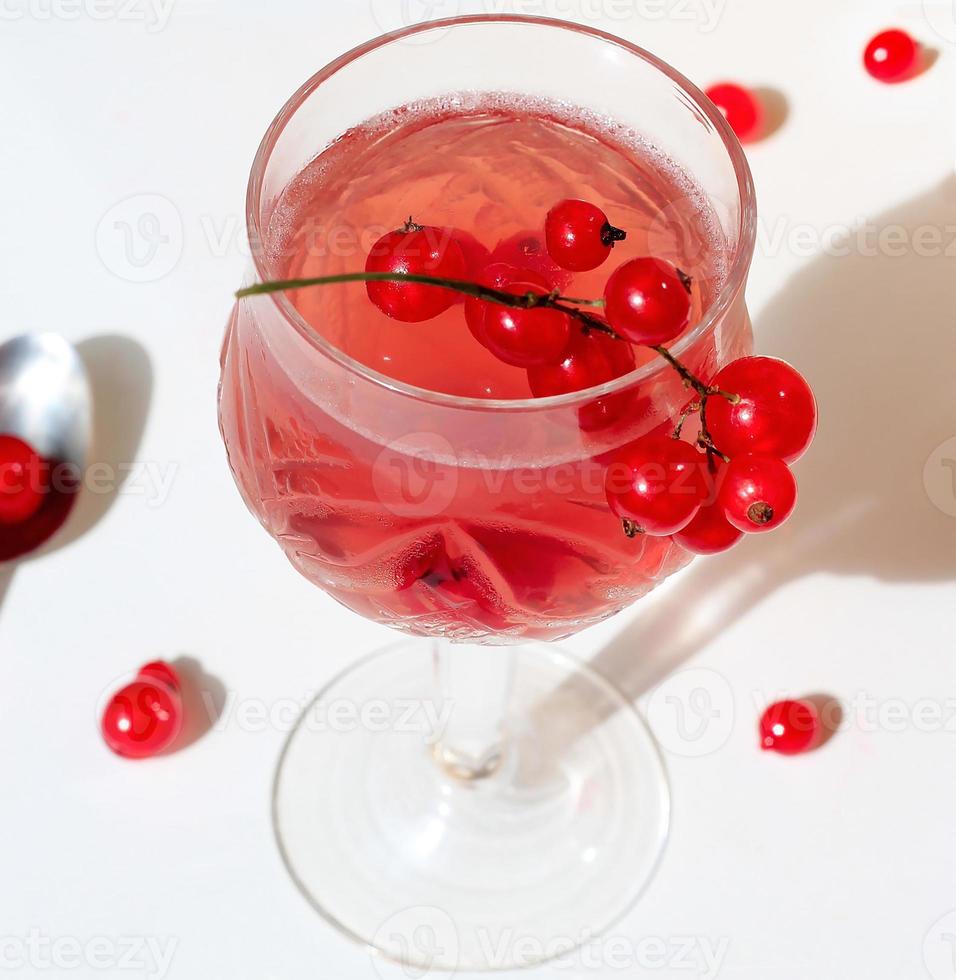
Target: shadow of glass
x,y
872,328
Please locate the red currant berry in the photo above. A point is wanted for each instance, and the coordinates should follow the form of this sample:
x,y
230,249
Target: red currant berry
x,y
496,275
647,301
740,107
757,493
709,532
591,359
419,251
475,254
789,727
776,414
144,717
892,56
526,250
658,483
526,338
21,491
579,236
159,670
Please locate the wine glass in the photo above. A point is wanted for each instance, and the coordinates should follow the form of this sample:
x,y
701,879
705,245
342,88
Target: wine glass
x,y
472,796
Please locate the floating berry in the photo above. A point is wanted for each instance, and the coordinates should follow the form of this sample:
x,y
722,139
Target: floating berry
x,y
892,56
416,250
144,717
591,359
657,483
579,236
647,301
21,491
757,493
740,107
526,250
776,414
526,338
495,275
789,727
475,254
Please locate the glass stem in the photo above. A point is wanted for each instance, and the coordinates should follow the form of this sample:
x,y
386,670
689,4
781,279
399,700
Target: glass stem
x,y
473,687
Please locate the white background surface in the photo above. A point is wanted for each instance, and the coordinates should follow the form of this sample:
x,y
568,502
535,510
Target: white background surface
x,y
832,865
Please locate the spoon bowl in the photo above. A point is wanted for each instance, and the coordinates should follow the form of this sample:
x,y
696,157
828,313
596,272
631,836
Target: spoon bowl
x,y
45,400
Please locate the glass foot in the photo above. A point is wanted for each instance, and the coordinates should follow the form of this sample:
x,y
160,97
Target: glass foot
x,y
541,844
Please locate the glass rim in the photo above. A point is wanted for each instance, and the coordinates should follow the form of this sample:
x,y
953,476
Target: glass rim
x,y
746,230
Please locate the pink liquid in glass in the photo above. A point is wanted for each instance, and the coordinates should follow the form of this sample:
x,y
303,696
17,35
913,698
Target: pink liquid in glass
x,y
432,516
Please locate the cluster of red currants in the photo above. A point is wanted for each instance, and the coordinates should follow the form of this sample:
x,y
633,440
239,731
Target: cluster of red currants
x,y
647,300
737,479
757,415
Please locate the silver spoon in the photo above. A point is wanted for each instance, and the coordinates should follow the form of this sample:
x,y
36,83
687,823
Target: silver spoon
x,y
45,400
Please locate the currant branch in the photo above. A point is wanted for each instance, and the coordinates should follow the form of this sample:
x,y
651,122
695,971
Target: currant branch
x,y
522,301
570,305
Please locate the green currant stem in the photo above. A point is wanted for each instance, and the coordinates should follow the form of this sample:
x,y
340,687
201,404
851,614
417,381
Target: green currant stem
x,y
524,301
